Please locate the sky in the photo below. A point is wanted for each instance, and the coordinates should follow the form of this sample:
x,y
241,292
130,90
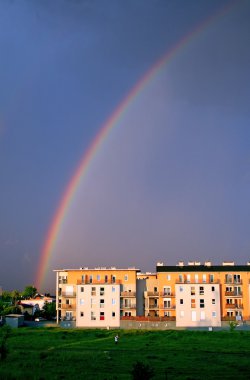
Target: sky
x,y
171,181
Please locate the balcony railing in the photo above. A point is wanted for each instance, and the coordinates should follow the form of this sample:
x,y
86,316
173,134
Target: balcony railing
x,y
63,281
151,294
68,295
234,282
199,281
128,294
132,306
100,282
233,306
167,294
167,307
68,306
152,307
233,294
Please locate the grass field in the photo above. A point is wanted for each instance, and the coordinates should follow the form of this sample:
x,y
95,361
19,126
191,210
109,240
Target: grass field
x,y
54,353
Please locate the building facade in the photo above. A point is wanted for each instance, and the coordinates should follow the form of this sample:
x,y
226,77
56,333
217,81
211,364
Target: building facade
x,y
96,297
193,295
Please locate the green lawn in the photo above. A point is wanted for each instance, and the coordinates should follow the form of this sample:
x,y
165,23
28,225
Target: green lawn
x,y
54,353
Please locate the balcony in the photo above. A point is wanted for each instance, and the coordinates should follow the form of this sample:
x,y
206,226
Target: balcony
x,y
127,307
128,294
167,307
199,281
233,294
63,281
167,294
100,282
68,307
151,294
233,282
233,306
152,307
68,295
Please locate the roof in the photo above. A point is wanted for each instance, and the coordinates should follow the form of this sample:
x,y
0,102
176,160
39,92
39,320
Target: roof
x,y
203,268
97,269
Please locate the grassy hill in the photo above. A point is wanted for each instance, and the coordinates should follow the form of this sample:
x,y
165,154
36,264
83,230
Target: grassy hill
x,y
54,353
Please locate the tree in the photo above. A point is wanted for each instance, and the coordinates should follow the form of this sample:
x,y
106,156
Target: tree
x,y
49,310
6,296
15,295
29,292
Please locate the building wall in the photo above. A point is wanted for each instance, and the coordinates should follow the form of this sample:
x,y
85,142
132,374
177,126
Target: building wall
x,y
69,283
98,305
197,305
233,284
158,294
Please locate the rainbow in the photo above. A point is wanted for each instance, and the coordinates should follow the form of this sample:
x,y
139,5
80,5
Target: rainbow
x,y
105,130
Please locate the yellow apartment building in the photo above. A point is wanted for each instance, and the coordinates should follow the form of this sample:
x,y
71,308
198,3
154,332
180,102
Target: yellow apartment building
x,y
192,295
96,297
222,289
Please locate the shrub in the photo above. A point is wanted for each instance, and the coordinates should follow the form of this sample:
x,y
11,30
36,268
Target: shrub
x,y
142,371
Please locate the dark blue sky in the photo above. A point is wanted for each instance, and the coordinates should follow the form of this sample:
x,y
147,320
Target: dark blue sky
x,y
171,182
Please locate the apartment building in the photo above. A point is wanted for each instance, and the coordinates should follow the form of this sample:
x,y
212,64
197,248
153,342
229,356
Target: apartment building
x,y
96,297
204,294
192,295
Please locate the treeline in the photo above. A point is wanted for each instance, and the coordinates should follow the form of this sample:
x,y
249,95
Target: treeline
x,y
9,303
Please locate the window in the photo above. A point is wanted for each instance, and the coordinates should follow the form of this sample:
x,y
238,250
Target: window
x,y
196,278
82,289
211,278
213,314
193,306
113,289
93,317
67,302
81,301
237,279
83,278
102,316
90,279
101,291
93,291
126,277
166,304
113,301
202,303
113,279
188,278
192,291
92,301
167,313
81,314
106,278
204,278
201,290
155,289
180,278
167,291
181,288
181,301
212,288
181,314
213,301
101,303
98,277
168,277
203,317
113,314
